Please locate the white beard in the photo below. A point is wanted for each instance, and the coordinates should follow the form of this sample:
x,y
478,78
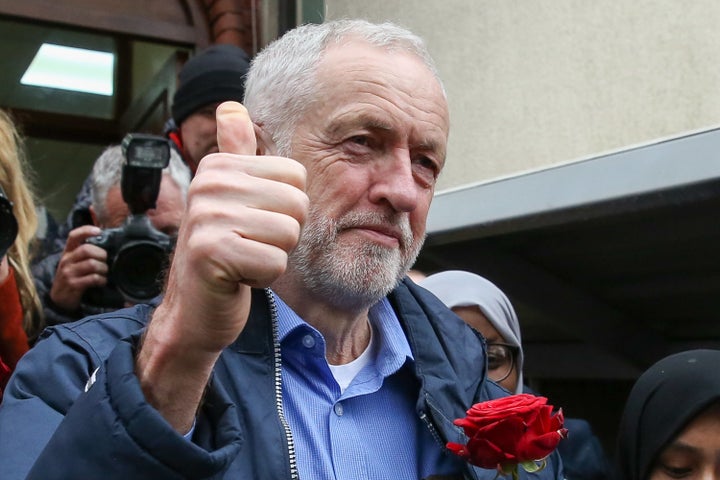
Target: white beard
x,y
348,275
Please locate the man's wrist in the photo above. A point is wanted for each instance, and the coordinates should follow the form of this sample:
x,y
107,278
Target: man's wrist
x,y
172,374
52,305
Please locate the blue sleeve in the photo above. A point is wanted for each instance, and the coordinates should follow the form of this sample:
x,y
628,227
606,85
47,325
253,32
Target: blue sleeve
x,y
50,428
40,391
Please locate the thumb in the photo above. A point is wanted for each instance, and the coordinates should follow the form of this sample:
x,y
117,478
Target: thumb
x,y
235,131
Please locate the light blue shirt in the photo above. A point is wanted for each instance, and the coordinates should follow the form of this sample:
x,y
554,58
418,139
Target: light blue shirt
x,y
371,431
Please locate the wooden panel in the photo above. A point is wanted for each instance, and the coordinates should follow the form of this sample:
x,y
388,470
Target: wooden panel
x,y
70,128
170,21
151,109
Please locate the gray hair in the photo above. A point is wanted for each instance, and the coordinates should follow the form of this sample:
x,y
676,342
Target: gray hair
x,y
282,82
107,173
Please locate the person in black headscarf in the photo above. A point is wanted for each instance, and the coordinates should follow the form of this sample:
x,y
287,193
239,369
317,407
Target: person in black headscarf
x,y
670,427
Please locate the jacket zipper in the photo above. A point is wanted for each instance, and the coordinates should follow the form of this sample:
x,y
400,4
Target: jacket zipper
x,y
468,473
431,427
278,385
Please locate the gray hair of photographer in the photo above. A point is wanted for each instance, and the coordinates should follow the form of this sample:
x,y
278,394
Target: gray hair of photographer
x,y
458,288
107,173
670,426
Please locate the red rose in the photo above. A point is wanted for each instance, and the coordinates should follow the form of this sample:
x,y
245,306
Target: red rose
x,y
508,431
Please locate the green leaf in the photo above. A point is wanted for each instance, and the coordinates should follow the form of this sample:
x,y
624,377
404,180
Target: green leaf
x,y
531,466
507,469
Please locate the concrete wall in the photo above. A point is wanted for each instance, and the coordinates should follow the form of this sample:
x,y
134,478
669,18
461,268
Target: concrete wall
x,y
533,84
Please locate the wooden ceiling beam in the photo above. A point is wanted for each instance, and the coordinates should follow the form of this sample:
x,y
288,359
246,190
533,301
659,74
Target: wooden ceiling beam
x,y
70,128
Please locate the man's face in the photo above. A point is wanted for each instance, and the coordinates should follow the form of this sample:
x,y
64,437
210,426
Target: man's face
x,y
373,146
165,217
199,135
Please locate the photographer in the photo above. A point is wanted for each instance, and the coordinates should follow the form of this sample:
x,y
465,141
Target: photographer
x,y
80,286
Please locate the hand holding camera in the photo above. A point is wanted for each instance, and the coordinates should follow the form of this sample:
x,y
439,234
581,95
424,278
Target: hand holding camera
x,y
81,267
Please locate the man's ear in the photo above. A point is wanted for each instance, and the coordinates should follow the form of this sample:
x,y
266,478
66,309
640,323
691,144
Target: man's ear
x,y
265,142
93,215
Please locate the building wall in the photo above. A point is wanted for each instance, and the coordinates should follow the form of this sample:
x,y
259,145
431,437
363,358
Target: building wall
x,y
535,84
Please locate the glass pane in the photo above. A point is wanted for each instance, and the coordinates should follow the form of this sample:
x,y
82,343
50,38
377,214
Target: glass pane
x,y
61,168
20,42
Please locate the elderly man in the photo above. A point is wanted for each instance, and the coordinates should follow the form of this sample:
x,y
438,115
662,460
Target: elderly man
x,y
340,369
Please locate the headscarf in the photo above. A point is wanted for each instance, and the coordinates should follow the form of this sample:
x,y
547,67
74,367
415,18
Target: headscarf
x,y
662,402
457,288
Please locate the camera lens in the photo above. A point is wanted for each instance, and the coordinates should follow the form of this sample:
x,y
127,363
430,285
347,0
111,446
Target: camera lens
x,y
137,270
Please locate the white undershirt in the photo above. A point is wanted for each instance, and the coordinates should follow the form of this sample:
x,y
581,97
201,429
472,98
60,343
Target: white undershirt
x,y
345,373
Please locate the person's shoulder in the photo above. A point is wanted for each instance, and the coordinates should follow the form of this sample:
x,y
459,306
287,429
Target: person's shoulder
x,y
434,332
409,297
119,322
59,364
409,291
101,332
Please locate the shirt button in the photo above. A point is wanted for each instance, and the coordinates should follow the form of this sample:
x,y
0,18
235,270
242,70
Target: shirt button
x,y
338,409
308,341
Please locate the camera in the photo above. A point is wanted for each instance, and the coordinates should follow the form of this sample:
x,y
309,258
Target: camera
x,y
137,253
8,224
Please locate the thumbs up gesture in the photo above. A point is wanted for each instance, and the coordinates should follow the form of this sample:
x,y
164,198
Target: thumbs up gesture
x,y
243,217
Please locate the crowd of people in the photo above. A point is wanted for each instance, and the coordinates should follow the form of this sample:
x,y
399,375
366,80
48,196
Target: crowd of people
x,y
288,340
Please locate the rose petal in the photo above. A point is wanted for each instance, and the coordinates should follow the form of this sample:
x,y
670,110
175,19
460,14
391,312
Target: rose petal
x,y
457,449
486,454
504,432
524,405
538,447
509,430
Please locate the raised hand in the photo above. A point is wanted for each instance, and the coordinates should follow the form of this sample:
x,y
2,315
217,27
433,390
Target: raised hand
x,y
243,217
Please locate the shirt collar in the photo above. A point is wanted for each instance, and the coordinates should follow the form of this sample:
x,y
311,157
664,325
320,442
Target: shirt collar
x,y
391,338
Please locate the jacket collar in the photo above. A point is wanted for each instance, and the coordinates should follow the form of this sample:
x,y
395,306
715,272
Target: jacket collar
x,y
257,336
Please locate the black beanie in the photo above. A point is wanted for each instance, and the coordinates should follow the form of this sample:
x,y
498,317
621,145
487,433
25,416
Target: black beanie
x,y
214,75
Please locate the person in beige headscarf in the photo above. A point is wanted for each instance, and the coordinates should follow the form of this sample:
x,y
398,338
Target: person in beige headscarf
x,y
489,311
